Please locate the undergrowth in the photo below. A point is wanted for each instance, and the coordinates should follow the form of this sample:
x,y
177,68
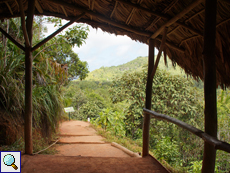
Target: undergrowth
x,y
133,145
39,143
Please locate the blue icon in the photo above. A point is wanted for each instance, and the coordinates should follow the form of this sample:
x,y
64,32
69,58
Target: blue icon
x,y
9,160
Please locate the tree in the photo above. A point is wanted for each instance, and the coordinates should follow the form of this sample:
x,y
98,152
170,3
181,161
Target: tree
x,y
59,49
48,74
171,95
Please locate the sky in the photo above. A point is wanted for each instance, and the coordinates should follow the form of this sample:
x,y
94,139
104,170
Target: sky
x,y
104,49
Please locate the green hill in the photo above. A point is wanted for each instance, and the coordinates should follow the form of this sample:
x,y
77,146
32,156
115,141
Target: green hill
x,y
108,73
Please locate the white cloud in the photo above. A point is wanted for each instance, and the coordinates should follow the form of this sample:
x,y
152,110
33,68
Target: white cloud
x,y
104,49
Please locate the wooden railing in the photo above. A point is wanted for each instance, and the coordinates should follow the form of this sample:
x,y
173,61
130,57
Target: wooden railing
x,y
220,145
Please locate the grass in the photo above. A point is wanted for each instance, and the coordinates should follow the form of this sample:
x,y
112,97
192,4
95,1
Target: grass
x,y
133,145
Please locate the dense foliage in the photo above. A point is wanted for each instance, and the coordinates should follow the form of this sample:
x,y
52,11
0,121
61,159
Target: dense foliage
x,y
116,106
49,74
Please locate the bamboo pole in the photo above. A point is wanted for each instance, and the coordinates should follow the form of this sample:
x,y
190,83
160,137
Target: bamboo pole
x,y
148,99
114,8
164,16
209,60
129,19
159,53
38,6
115,24
11,12
23,23
28,80
177,17
101,17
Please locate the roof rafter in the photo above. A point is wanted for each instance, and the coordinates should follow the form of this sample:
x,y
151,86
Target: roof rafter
x,y
143,9
189,38
132,13
64,11
101,17
170,21
92,6
177,17
147,34
190,18
23,23
164,11
159,52
172,45
115,6
38,6
17,4
11,12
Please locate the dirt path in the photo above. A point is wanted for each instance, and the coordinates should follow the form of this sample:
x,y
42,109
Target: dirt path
x,y
81,150
79,139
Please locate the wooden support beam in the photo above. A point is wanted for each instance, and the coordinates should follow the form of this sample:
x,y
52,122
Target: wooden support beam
x,y
63,9
171,45
185,26
209,64
177,17
164,17
23,23
56,32
131,14
12,39
143,9
125,27
164,11
17,4
11,12
148,99
101,17
115,6
226,1
159,53
38,7
28,79
221,23
194,15
187,39
92,6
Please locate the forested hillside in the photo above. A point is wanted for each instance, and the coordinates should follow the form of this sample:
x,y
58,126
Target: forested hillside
x,y
113,97
109,73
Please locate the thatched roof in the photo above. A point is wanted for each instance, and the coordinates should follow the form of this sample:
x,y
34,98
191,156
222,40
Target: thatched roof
x,y
145,19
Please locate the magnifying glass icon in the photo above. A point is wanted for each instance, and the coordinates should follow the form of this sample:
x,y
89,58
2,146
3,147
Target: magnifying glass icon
x,y
9,160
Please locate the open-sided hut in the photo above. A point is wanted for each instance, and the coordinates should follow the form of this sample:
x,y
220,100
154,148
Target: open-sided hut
x,y
195,34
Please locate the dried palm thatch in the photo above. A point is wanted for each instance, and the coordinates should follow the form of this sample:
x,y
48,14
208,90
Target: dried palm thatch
x,y
142,20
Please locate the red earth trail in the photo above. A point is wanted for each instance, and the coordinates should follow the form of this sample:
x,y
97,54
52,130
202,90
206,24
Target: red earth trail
x,y
82,150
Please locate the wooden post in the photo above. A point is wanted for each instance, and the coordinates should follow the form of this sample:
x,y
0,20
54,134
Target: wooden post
x,y
28,80
148,99
210,84
28,101
159,53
